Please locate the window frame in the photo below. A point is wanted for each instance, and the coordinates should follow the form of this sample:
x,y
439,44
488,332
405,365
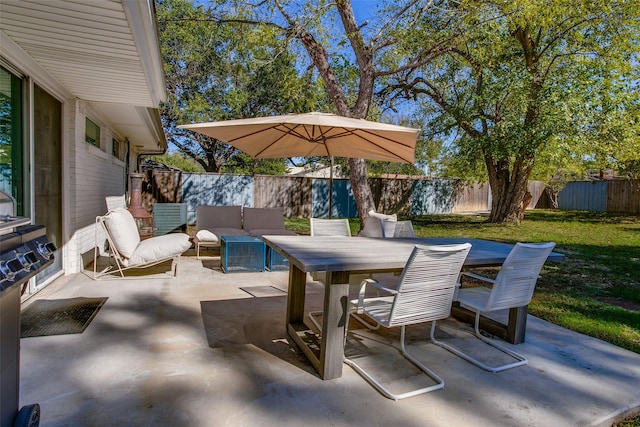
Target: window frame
x,y
88,138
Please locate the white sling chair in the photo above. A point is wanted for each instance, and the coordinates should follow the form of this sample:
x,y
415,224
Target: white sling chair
x,y
326,227
424,294
512,287
128,251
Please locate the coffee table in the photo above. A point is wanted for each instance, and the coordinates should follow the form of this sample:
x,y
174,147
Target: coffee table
x,y
242,253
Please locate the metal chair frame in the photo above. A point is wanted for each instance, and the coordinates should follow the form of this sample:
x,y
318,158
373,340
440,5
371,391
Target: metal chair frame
x,y
424,294
512,287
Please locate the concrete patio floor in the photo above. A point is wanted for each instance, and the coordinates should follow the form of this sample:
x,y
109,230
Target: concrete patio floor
x,y
200,351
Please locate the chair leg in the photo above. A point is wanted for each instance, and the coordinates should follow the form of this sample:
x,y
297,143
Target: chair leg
x,y
365,323
439,381
174,266
354,315
314,321
520,359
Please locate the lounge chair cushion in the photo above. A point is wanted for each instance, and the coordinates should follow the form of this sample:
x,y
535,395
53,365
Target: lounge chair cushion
x,y
159,247
123,230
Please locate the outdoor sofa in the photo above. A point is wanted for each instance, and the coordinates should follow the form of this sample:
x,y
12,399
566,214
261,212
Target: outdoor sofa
x,y
213,222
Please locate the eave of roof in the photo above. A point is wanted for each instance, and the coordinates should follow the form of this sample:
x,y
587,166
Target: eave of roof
x,y
104,52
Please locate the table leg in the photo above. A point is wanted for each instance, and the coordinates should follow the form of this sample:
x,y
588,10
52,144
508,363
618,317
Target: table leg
x,y
326,354
295,296
334,318
513,331
517,325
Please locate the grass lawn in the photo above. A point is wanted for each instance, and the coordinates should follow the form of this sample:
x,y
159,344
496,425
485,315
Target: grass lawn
x,y
595,291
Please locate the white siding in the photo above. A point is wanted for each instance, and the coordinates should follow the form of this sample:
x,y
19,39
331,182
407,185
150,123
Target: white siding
x,y
94,174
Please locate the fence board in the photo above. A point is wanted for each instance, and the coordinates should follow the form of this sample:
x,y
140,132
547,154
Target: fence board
x,y
584,195
470,197
293,194
343,202
215,190
429,197
392,195
623,196
304,197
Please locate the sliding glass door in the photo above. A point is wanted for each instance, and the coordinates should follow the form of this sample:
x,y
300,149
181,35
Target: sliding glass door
x,y
47,171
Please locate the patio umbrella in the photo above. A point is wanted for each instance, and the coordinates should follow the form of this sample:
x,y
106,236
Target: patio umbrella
x,y
314,134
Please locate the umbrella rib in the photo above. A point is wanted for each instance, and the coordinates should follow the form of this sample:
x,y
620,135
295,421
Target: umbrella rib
x,y
289,131
231,140
354,133
320,134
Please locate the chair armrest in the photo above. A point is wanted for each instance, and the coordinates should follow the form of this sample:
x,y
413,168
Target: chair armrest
x,y
477,276
363,288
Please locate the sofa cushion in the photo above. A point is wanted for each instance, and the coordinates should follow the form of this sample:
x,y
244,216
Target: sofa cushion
x,y
264,218
207,236
382,217
222,231
160,247
123,231
258,232
374,227
208,217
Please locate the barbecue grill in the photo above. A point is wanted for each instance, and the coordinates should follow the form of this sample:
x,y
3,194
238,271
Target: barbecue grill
x,y
24,252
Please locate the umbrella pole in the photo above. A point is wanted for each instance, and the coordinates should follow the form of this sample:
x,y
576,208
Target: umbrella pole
x,y
330,186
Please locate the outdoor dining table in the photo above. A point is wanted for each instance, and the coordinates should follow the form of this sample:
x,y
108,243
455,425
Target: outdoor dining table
x,y
341,256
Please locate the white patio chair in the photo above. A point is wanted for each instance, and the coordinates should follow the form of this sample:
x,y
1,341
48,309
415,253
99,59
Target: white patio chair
x,y
326,227
404,229
114,202
512,287
424,294
128,251
330,227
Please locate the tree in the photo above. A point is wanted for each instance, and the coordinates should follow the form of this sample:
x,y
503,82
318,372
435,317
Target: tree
x,y
346,55
516,76
178,161
214,72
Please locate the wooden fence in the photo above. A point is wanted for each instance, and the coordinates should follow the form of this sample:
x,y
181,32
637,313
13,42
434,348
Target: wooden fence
x,y
306,197
621,196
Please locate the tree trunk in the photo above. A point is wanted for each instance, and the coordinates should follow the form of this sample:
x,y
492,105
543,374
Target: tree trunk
x,y
360,188
364,58
508,190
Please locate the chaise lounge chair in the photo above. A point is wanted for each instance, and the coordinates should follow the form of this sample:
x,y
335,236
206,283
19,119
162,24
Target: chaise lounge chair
x,y
128,251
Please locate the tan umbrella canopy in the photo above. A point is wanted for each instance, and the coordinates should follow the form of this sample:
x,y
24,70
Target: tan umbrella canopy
x,y
314,134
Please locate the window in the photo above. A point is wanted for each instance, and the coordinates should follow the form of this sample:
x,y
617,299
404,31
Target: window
x,y
116,149
92,133
11,139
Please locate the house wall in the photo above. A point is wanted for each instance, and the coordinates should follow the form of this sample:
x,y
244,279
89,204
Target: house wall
x,y
94,173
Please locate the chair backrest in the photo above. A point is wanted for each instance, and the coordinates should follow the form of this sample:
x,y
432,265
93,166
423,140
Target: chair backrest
x,y
404,229
518,275
330,227
121,231
263,218
114,202
427,284
218,217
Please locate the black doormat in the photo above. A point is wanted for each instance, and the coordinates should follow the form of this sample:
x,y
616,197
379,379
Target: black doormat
x,y
59,316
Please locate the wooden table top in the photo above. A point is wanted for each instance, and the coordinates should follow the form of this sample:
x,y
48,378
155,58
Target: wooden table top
x,y
320,253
